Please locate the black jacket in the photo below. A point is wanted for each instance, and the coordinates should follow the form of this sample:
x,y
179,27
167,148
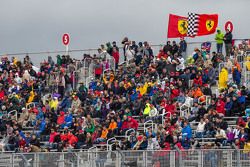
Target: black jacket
x,y
228,38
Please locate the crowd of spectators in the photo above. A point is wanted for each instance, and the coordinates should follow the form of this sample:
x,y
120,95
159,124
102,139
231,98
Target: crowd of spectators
x,y
146,88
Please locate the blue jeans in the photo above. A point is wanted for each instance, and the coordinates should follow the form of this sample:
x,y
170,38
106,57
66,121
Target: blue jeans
x,y
219,47
199,134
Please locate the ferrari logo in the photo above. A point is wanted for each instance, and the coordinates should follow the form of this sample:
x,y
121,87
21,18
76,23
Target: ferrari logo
x,y
209,25
182,26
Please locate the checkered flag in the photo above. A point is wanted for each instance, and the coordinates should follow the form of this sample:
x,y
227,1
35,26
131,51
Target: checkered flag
x,y
193,23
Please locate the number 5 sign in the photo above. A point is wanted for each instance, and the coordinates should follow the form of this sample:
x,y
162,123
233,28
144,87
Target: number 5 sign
x,y
229,26
65,40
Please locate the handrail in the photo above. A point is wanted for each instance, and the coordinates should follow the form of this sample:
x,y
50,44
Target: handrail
x,y
207,100
148,122
126,133
163,116
45,97
12,112
30,105
92,49
113,138
182,112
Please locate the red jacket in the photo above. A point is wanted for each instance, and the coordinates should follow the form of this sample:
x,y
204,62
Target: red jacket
x,y
60,119
116,56
98,70
1,94
72,139
52,137
130,124
197,81
220,106
170,108
174,93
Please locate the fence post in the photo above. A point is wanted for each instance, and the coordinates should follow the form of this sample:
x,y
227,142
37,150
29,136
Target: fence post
x,y
78,160
238,158
237,155
172,158
12,159
145,158
180,156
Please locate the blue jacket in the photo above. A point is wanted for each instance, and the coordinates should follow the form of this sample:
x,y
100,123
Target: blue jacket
x,y
93,85
228,105
42,126
40,114
66,103
181,99
133,96
68,119
236,76
242,99
188,131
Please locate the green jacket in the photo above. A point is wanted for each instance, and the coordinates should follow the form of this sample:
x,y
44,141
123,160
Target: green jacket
x,y
219,37
59,60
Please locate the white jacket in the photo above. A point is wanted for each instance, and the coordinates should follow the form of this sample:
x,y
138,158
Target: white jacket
x,y
200,127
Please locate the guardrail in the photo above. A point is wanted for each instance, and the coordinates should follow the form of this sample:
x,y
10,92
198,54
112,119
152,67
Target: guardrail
x,y
175,158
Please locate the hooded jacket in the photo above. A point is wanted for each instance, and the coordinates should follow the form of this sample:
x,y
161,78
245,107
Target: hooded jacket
x,y
236,76
60,119
223,78
187,131
219,37
130,124
147,109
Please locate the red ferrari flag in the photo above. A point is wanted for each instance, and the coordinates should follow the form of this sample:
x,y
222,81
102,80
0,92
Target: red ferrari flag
x,y
177,26
207,24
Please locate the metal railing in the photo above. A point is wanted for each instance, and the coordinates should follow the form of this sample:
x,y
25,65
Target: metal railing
x,y
122,158
184,110
148,124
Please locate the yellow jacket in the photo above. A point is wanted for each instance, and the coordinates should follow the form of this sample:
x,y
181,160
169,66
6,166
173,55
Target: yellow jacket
x,y
53,104
147,109
246,148
143,89
31,98
223,78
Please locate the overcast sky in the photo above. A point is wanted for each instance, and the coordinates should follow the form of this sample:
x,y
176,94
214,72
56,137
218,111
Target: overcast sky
x,y
37,25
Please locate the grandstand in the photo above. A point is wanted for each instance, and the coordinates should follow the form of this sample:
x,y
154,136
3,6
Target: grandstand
x,y
145,110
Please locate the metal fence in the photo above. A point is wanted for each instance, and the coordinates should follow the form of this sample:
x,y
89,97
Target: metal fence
x,y
132,158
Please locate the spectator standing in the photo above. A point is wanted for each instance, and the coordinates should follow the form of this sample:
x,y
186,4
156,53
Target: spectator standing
x,y
219,41
228,42
183,47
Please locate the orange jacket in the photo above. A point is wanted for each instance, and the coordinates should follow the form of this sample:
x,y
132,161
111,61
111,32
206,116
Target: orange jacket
x,y
112,126
104,133
197,93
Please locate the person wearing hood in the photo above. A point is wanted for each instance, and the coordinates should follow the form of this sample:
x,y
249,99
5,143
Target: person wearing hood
x,y
146,110
134,96
186,134
223,78
58,60
50,61
236,76
54,103
61,118
219,40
